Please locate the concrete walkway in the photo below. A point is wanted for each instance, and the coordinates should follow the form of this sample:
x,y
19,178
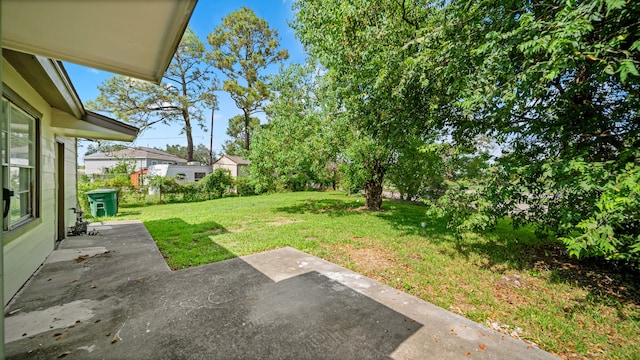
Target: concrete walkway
x,y
112,296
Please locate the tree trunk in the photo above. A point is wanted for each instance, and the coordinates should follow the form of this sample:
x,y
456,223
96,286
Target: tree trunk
x,y
211,138
373,187
187,131
247,120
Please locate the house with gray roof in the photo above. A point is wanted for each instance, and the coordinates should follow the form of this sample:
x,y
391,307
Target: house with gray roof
x,y
143,157
235,164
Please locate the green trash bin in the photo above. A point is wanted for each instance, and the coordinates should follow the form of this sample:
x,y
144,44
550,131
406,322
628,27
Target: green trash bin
x,y
103,202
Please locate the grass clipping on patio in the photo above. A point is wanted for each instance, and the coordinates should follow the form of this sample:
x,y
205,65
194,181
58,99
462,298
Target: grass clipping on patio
x,y
509,280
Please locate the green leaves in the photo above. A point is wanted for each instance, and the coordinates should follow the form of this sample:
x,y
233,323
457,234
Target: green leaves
x,y
556,85
242,46
297,148
186,89
236,131
627,67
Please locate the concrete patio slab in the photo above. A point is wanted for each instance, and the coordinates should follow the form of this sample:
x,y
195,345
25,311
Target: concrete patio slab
x,y
284,304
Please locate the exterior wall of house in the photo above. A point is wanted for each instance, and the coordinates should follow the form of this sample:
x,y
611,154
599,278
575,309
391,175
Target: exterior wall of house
x,y
189,171
226,163
26,247
97,166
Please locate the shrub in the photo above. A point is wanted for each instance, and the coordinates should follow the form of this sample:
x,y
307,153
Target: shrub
x,y
216,184
612,229
245,186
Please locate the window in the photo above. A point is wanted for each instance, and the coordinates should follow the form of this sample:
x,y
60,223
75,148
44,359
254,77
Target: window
x,y
199,176
19,161
154,162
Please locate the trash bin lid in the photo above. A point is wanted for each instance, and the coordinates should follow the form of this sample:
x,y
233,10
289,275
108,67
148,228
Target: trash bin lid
x,y
102,191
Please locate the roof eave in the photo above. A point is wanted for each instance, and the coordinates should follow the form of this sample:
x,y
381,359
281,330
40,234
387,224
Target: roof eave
x,y
135,38
49,78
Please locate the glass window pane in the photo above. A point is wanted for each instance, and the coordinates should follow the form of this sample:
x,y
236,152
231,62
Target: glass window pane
x,y
14,179
21,122
21,137
18,158
25,204
5,159
3,131
25,179
5,183
14,209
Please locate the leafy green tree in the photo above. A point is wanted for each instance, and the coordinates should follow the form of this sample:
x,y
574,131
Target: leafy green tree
x,y
360,43
123,166
163,186
242,46
216,184
103,146
557,84
200,152
186,90
419,171
237,132
298,147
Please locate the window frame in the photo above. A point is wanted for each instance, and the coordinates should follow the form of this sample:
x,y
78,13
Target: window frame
x,y
19,227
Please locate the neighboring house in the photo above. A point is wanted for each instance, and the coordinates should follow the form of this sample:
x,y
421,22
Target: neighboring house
x,y
42,115
142,157
182,173
235,164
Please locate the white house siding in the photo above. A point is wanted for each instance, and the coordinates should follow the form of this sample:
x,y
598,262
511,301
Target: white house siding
x,y
25,253
225,163
97,166
171,171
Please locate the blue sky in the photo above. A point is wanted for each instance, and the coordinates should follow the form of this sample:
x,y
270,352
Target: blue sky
x,y
207,15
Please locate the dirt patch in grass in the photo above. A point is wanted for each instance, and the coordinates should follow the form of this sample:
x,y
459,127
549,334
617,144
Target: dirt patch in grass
x,y
362,208
368,259
591,294
505,289
371,258
238,229
283,221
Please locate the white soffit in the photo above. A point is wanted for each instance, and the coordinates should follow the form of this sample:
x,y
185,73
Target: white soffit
x,y
135,38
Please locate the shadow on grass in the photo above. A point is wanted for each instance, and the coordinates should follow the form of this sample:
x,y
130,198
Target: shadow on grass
x,y
607,282
330,207
185,244
506,248
408,217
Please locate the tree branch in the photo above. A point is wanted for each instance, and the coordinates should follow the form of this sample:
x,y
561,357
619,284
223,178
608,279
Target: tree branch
x,y
405,18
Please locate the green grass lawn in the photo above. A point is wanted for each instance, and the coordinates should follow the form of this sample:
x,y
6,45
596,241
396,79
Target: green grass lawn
x,y
510,280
